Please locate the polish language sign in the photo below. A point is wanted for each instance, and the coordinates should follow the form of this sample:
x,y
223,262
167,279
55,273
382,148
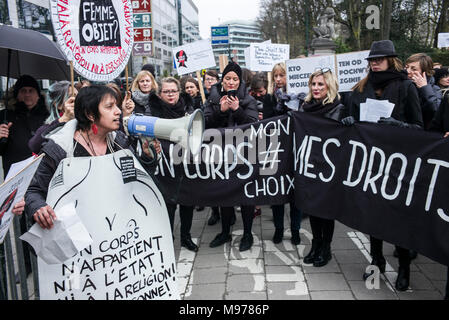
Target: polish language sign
x,y
193,56
131,256
263,56
299,71
351,68
143,28
388,182
97,36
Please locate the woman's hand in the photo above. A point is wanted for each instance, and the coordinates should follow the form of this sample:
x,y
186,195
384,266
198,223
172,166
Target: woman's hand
x,y
420,80
45,217
4,130
224,103
69,110
128,105
234,103
19,208
147,150
446,134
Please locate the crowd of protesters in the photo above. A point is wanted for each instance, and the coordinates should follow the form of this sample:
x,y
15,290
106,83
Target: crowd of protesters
x,y
418,89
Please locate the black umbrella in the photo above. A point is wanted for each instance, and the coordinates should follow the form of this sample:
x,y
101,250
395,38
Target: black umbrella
x,y
30,52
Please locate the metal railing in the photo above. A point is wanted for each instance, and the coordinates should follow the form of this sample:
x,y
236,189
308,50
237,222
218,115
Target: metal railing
x,y
15,283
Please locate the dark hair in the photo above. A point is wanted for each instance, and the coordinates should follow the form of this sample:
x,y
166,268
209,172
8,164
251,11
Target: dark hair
x,y
87,102
192,80
259,81
247,76
425,63
212,73
149,67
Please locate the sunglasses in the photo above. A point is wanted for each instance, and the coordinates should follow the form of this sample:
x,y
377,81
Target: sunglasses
x,y
323,70
380,59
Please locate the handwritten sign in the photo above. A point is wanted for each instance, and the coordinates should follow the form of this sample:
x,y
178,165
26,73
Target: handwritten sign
x,y
96,35
263,56
132,255
193,57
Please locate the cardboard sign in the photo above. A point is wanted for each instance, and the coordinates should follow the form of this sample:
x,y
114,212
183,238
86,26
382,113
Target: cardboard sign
x,y
132,255
351,68
193,57
13,190
263,56
96,35
299,71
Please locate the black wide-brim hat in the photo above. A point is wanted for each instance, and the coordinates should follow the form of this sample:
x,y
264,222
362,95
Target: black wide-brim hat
x,y
382,48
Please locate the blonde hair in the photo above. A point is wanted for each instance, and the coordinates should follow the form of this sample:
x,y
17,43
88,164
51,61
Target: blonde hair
x,y
332,86
278,67
140,75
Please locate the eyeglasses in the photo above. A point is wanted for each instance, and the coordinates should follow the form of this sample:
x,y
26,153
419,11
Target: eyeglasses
x,y
170,92
323,70
379,59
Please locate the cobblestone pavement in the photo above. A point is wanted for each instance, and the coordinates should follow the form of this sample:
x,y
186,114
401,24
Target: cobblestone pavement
x,y
277,272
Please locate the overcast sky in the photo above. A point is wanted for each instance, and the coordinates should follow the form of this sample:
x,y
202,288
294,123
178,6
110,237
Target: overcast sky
x,y
214,12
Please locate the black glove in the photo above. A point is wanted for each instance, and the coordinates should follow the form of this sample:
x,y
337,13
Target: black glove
x,y
393,122
348,121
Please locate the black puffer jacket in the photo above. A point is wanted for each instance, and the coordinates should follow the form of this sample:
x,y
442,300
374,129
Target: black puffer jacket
x,y
55,151
430,98
407,110
440,122
246,113
25,124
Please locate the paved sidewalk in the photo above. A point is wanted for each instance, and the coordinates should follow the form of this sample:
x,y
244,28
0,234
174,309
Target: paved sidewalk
x,y
277,272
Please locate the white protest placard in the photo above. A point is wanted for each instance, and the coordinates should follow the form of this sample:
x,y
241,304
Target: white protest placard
x,y
131,256
13,190
96,35
263,56
299,71
372,110
194,56
247,57
443,40
351,68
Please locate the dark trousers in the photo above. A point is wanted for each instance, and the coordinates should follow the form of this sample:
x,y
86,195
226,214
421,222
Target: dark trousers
x,y
247,218
278,217
447,285
186,216
377,251
322,229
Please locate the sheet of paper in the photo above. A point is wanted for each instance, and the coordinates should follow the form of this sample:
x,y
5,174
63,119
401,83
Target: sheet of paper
x,y
373,110
68,237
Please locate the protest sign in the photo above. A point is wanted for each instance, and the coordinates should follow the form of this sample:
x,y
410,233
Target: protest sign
x,y
13,189
193,56
351,68
263,56
97,36
443,40
299,71
132,254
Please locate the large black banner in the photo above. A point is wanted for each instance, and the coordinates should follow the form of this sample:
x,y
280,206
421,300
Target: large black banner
x,y
388,182
246,165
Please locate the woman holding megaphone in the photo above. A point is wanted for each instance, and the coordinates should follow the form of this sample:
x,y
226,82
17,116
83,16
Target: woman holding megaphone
x,y
170,103
93,133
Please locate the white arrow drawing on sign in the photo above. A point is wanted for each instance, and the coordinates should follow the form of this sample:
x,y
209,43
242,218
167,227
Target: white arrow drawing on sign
x,y
144,3
136,33
135,19
137,47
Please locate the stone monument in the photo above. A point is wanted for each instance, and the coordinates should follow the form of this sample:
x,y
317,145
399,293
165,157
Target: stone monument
x,y
323,44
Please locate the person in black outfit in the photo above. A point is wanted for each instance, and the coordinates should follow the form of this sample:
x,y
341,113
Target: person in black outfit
x,y
322,100
223,111
21,124
171,104
387,80
192,88
440,123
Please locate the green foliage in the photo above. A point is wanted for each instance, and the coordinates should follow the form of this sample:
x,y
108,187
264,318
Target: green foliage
x,y
342,47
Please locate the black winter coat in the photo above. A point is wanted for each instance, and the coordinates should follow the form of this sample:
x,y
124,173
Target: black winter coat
x,y
25,124
430,98
337,113
160,109
407,110
246,113
440,122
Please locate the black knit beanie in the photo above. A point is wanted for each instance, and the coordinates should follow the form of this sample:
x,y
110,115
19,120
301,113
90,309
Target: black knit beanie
x,y
232,66
440,73
26,81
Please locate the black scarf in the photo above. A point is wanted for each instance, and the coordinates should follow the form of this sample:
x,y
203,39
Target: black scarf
x,y
317,107
381,79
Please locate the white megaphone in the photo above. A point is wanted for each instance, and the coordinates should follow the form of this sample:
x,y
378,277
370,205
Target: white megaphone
x,y
187,131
